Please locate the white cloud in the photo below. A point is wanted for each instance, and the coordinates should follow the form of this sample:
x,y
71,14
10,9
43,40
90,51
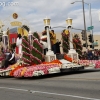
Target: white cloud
x,y
34,11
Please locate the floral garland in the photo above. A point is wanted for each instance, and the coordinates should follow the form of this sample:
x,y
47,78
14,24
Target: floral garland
x,y
35,37
33,57
65,41
78,44
23,40
35,40
26,47
37,57
44,33
65,48
26,60
63,34
36,50
26,53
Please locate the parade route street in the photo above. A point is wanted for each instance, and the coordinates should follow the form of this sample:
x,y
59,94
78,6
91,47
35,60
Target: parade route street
x,y
84,85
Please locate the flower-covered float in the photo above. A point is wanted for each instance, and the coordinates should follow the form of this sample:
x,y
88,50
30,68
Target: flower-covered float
x,y
21,69
32,64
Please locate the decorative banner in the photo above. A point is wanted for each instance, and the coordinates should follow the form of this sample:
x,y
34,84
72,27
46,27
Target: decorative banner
x,y
16,23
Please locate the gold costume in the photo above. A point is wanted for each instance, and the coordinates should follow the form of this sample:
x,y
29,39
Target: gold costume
x,y
53,38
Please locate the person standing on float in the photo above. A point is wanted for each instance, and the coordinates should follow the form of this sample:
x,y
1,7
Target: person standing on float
x,y
19,45
53,41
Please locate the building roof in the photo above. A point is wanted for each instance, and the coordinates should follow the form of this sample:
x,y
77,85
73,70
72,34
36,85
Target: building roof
x,y
13,30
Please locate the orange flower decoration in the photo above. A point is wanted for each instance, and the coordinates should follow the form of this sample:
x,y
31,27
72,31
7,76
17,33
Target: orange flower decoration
x,y
68,58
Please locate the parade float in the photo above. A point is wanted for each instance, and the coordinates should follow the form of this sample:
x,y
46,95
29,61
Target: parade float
x,y
32,62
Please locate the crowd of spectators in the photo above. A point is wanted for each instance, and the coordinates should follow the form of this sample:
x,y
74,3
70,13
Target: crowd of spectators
x,y
91,55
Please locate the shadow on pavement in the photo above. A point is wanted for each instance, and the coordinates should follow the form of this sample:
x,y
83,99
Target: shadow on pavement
x,y
55,75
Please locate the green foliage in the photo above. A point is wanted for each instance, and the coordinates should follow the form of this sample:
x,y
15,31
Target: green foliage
x,y
78,45
35,53
26,49
35,34
27,57
65,42
37,46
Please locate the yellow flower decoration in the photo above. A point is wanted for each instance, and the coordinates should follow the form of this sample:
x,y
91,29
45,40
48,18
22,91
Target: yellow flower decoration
x,y
23,71
66,32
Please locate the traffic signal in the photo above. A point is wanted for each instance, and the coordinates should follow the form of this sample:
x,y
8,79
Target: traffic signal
x,y
83,35
92,46
85,45
90,38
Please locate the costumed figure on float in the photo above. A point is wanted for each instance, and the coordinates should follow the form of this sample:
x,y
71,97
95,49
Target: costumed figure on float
x,y
19,45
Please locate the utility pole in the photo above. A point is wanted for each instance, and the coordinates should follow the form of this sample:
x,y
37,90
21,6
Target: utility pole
x,y
90,16
84,24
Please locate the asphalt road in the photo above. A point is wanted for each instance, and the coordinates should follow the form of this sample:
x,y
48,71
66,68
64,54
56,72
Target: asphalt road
x,y
84,85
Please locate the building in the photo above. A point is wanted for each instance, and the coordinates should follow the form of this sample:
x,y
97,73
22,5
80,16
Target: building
x,y
96,37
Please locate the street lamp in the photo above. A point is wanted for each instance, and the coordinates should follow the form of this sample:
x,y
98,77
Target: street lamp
x,y
69,26
84,18
47,26
89,4
72,52
5,39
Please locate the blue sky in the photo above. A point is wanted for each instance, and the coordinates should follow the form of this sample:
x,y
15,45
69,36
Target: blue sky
x,y
34,11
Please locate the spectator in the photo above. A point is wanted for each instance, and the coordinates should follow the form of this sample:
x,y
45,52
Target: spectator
x,y
90,55
95,56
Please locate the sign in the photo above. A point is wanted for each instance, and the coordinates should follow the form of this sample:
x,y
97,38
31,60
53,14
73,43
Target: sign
x,y
90,28
95,43
16,23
